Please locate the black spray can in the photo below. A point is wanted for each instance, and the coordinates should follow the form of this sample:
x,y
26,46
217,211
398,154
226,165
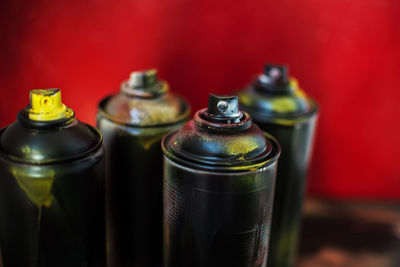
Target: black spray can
x,y
219,176
133,123
281,108
51,188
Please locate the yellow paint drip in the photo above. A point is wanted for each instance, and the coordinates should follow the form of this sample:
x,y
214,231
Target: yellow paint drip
x,y
38,189
46,105
148,141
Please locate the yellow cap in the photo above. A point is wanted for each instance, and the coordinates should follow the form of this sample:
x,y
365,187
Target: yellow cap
x,y
46,105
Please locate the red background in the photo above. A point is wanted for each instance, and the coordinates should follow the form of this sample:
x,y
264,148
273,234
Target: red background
x,y
345,54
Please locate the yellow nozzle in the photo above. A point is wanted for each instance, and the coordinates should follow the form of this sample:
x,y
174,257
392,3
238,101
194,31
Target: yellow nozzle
x,y
46,105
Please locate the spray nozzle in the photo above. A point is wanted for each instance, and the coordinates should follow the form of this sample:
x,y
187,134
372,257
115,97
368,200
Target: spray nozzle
x,y
223,107
46,105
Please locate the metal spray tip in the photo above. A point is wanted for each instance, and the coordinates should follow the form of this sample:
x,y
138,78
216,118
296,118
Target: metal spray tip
x,y
274,79
223,107
143,79
276,73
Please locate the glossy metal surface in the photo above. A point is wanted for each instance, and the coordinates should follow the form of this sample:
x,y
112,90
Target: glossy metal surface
x,y
51,194
289,191
133,123
281,108
219,176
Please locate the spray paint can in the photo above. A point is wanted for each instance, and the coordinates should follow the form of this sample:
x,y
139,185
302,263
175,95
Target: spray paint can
x,y
133,123
219,175
51,187
280,107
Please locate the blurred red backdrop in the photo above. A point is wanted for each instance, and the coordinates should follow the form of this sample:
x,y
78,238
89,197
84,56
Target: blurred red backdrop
x,y
345,53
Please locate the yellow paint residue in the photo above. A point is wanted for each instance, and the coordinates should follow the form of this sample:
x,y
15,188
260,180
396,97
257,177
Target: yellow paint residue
x,y
245,100
283,104
242,148
38,189
26,149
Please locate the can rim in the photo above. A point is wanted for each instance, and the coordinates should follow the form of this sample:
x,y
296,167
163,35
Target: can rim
x,y
76,157
239,168
222,173
182,117
283,119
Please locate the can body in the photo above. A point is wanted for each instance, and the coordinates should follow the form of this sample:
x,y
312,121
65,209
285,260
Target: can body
x,y
280,107
133,122
219,179
133,192
52,214
296,143
216,219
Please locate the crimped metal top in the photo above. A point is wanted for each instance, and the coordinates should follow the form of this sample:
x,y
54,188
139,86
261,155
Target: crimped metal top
x,y
221,143
274,97
144,101
44,142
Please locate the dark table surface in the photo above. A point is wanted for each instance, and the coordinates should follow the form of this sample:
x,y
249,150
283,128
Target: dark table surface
x,y
350,234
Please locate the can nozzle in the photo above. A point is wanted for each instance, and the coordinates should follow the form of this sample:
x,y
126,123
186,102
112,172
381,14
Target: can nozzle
x,y
223,107
46,105
144,84
143,79
275,78
276,73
